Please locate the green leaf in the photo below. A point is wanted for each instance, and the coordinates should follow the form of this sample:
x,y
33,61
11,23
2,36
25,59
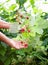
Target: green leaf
x,y
12,7
2,50
20,52
38,30
32,2
25,35
7,61
7,0
21,2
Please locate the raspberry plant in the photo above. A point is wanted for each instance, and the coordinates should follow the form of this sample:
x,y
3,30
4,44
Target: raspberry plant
x,y
33,30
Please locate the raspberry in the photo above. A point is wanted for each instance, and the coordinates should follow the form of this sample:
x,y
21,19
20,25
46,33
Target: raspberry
x,y
22,30
26,45
28,30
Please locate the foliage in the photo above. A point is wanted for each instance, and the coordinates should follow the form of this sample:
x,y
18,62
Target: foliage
x,y
21,2
33,30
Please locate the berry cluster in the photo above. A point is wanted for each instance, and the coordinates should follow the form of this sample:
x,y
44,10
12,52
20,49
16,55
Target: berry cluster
x,y
20,16
24,29
24,43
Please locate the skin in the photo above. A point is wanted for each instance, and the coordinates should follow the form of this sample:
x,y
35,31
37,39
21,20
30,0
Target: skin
x,y
10,42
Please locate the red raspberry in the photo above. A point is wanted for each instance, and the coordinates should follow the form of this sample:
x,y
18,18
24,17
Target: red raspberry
x,y
28,30
22,30
25,45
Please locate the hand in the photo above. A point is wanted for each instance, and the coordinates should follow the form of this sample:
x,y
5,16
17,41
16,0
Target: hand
x,y
18,44
13,43
4,24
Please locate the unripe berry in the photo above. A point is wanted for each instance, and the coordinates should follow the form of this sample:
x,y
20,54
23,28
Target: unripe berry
x,y
21,42
20,23
16,16
21,16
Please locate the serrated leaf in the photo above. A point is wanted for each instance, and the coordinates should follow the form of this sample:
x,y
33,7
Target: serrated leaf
x,y
41,23
38,30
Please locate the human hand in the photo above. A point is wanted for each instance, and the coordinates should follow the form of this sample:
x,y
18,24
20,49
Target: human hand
x,y
18,44
4,24
12,43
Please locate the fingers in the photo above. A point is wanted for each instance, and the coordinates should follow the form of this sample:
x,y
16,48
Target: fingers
x,y
17,44
4,25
